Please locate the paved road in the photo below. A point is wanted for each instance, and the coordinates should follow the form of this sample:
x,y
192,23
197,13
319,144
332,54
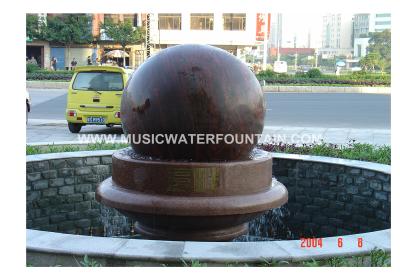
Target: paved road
x,y
284,109
296,118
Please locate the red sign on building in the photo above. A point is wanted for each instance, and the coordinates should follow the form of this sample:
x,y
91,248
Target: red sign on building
x,y
263,23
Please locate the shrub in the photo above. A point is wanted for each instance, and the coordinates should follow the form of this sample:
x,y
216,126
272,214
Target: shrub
x,y
353,150
266,74
52,71
300,75
326,81
49,76
30,68
314,73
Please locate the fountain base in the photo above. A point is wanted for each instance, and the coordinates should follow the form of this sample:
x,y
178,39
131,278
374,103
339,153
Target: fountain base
x,y
192,234
189,212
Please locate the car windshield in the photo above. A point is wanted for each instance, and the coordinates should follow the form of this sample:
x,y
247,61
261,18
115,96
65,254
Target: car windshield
x,y
99,81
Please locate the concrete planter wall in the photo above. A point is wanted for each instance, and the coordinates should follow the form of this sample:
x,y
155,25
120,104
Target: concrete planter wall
x,y
327,197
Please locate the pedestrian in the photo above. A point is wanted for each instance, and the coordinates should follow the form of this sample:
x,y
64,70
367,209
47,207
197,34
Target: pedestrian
x,y
32,60
73,63
89,60
54,63
337,72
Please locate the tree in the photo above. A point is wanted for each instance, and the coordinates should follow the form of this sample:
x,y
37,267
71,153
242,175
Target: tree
x,y
69,29
123,33
380,44
369,61
34,27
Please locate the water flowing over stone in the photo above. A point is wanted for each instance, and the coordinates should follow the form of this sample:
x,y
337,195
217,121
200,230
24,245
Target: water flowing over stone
x,y
269,226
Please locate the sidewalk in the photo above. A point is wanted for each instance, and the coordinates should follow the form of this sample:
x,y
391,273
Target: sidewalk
x,y
267,88
52,131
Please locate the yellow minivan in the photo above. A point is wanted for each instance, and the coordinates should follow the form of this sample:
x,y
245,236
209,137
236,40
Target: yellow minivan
x,y
94,96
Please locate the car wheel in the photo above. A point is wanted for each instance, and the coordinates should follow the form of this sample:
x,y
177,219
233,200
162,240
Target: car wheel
x,y
74,127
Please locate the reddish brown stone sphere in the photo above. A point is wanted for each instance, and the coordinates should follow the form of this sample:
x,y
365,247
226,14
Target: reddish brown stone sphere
x,y
193,89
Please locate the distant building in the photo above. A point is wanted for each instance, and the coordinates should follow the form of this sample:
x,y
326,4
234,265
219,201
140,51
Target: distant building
x,y
276,31
337,35
363,24
380,22
360,47
291,51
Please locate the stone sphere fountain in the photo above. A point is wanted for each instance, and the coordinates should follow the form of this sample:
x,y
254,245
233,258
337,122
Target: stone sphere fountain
x,y
192,190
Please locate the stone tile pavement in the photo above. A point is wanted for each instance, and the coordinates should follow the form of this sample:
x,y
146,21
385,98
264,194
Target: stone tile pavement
x,y
49,131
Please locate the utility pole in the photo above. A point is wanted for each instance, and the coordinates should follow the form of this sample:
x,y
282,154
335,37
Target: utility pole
x,y
267,26
265,54
316,58
295,54
278,58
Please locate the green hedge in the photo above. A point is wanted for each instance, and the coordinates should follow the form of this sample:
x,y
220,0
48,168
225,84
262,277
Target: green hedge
x,y
57,72
352,150
30,68
325,81
314,76
54,75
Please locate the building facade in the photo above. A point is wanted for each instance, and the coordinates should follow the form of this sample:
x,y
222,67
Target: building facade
x,y
363,24
337,35
43,51
380,22
233,32
360,47
275,39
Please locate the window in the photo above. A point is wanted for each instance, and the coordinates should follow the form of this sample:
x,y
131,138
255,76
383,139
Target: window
x,y
202,21
115,18
103,81
112,17
382,15
382,23
234,21
132,18
169,21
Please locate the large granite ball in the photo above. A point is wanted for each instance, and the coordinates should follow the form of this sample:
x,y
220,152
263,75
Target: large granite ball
x,y
193,89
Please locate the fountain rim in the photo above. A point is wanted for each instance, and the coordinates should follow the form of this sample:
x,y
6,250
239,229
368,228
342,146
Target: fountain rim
x,y
288,250
218,252
379,167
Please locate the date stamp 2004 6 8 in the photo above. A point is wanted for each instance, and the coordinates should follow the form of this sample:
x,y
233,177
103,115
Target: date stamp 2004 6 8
x,y
314,242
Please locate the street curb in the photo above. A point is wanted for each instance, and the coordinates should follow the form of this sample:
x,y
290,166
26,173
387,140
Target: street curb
x,y
285,89
47,85
46,122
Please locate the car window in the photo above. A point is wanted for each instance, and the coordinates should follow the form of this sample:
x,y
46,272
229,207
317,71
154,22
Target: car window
x,y
104,81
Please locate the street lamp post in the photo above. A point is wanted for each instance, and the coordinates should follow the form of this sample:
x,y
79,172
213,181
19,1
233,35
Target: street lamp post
x,y
265,54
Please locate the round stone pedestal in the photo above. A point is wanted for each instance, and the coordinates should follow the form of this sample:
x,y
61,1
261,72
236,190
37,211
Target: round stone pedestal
x,y
176,200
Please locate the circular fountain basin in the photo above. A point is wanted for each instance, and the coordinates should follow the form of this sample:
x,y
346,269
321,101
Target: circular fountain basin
x,y
353,199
